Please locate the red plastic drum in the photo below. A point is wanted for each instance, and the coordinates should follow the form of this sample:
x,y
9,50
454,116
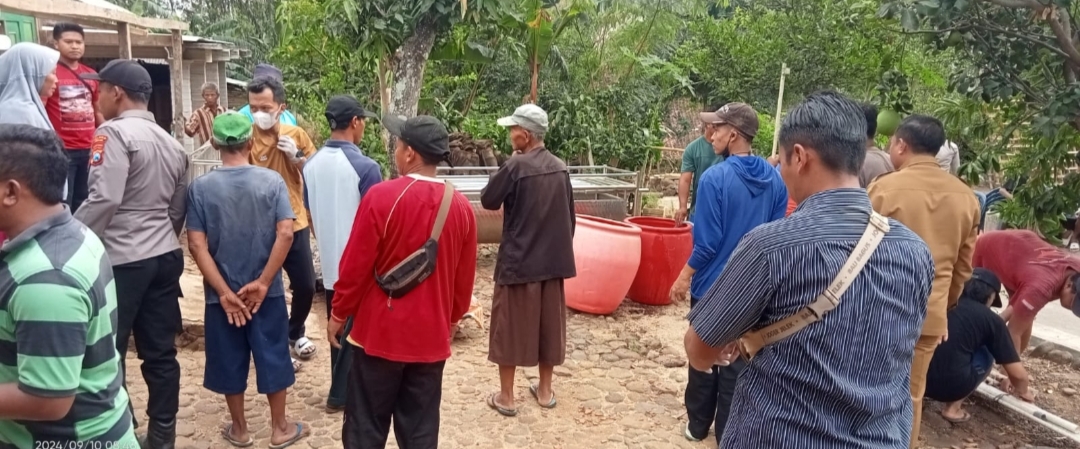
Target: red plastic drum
x,y
607,254
665,248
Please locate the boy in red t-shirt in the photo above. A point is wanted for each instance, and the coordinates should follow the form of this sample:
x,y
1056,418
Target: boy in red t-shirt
x,y
72,109
1034,273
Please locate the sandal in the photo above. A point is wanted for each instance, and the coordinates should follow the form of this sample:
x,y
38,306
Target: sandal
x,y
297,365
962,419
535,390
304,349
510,412
301,432
226,432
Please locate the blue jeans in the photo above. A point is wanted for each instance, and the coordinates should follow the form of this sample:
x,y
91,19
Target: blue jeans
x,y
982,362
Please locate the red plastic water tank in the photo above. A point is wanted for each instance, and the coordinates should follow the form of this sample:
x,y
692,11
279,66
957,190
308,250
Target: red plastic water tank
x,y
607,254
665,248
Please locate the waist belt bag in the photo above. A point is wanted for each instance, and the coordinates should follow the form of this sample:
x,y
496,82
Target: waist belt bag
x,y
414,269
752,342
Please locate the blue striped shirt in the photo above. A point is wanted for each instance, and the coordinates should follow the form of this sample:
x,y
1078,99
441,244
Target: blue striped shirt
x,y
840,383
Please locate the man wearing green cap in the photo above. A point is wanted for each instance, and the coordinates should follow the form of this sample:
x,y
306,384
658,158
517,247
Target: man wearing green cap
x,y
240,227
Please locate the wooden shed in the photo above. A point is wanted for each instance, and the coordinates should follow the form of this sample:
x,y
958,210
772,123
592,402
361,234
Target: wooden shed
x,y
179,64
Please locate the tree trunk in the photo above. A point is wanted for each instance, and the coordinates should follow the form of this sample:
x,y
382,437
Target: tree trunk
x,y
534,88
408,64
384,108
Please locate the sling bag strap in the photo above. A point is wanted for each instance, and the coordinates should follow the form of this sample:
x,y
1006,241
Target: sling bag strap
x,y
752,342
444,210
84,83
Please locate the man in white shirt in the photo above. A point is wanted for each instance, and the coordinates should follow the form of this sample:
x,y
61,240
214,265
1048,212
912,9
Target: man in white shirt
x,y
948,157
335,179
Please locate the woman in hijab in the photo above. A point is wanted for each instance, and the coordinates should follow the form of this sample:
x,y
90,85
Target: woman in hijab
x,y
27,75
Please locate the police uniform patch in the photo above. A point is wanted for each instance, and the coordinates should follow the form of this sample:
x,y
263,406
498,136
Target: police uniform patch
x,y
97,150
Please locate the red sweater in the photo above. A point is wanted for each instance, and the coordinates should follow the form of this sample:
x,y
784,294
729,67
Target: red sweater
x,y
416,327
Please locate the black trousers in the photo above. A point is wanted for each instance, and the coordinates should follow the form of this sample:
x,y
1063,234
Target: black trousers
x,y
708,398
77,177
148,305
301,270
381,390
340,359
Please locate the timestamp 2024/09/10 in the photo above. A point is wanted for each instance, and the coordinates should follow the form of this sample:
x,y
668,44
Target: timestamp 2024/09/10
x,y
84,445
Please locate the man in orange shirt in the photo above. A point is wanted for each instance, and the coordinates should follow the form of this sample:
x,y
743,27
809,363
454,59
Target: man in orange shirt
x,y
284,149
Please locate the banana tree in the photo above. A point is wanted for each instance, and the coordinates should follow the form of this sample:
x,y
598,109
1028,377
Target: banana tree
x,y
538,26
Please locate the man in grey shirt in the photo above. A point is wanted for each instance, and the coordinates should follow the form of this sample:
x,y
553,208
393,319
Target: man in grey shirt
x,y
877,162
136,204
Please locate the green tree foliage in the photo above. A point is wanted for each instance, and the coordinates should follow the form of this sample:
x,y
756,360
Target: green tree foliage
x,y
1023,64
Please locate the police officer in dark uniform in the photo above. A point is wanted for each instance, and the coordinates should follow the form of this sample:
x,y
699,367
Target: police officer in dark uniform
x,y
137,200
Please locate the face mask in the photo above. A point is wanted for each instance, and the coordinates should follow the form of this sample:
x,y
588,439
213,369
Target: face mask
x,y
264,120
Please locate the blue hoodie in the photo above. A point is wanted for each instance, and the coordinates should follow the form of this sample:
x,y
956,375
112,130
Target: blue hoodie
x,y
736,196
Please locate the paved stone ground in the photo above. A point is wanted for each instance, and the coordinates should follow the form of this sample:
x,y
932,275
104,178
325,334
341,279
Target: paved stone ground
x,y
621,387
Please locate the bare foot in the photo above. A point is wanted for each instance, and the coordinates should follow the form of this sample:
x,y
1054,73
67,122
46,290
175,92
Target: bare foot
x,y
291,433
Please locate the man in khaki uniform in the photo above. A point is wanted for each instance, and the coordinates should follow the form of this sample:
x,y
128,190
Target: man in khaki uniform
x,y
136,204
944,212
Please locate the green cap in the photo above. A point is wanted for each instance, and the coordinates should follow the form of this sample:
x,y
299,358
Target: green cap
x,y
232,128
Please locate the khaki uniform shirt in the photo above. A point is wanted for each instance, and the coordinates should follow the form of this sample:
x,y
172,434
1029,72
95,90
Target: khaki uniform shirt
x,y
944,212
137,188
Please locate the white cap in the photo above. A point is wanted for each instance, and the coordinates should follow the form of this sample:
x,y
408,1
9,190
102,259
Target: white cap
x,y
528,116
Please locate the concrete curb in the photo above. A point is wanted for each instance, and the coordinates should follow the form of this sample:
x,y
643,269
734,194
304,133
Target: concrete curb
x,y
1044,348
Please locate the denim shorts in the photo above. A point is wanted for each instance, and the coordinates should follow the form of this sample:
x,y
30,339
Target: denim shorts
x,y
230,349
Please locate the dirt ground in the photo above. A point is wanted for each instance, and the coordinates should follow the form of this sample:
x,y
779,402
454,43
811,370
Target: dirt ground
x,y
621,387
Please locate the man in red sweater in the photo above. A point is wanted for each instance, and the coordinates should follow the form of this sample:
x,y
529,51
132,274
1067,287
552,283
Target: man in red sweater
x,y
402,342
1035,273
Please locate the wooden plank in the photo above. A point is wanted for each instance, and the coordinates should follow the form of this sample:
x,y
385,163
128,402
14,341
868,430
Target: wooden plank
x,y
123,33
83,11
176,77
99,39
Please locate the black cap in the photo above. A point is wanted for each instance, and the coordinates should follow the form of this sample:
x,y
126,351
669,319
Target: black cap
x,y
342,109
267,71
424,133
125,73
990,279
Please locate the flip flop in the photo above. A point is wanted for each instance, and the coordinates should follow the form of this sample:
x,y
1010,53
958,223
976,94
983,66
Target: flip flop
x,y
510,412
300,433
304,349
297,365
962,419
535,390
226,432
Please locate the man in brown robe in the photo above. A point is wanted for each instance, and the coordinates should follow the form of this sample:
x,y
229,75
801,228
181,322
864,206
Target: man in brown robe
x,y
528,307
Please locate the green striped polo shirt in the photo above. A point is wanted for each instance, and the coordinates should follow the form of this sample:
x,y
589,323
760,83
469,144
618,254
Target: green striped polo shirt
x,y
57,337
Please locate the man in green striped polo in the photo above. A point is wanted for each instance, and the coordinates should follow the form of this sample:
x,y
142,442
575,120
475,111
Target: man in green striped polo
x,y
60,383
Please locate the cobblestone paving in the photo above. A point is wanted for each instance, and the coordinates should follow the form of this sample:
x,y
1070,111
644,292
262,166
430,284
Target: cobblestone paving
x,y
620,388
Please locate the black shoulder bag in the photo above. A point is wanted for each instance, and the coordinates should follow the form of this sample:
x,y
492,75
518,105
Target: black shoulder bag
x,y
418,266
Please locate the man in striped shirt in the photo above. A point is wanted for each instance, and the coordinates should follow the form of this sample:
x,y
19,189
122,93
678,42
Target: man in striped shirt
x,y
841,382
60,383
201,122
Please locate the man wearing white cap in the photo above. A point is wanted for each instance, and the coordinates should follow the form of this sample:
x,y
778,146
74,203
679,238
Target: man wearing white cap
x,y
528,307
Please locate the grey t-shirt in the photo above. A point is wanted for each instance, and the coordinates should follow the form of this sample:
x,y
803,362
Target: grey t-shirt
x,y
238,208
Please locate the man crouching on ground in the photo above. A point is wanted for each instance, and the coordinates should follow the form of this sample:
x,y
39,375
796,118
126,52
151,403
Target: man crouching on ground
x,y
401,331
240,227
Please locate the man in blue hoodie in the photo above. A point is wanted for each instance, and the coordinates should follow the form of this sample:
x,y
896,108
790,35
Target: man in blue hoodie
x,y
735,196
